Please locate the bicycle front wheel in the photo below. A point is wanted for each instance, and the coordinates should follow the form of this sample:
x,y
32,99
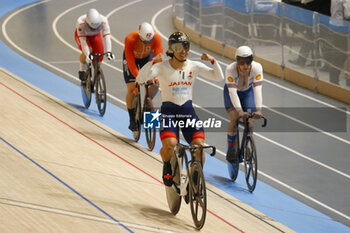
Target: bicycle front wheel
x,y
86,89
198,195
150,133
250,163
233,168
138,116
101,93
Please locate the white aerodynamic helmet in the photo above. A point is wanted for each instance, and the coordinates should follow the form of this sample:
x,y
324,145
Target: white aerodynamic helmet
x,y
244,51
93,18
146,32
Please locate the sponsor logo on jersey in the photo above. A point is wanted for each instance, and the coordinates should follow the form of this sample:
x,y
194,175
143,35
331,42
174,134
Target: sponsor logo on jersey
x,y
258,77
230,79
190,75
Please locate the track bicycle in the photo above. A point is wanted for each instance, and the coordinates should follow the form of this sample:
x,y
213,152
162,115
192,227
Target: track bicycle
x,y
139,113
95,83
188,182
246,154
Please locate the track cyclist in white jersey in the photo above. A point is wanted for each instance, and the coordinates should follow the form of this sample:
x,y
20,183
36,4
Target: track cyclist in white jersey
x,y
242,94
176,78
89,39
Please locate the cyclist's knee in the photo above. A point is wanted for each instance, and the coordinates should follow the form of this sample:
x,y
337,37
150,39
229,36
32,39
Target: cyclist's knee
x,y
198,142
169,143
82,58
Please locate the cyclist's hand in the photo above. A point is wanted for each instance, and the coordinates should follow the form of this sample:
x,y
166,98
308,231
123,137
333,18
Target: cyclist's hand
x,y
158,58
207,57
156,81
257,115
242,114
110,56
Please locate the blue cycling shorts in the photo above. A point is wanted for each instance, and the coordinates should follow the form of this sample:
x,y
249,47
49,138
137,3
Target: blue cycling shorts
x,y
246,97
172,114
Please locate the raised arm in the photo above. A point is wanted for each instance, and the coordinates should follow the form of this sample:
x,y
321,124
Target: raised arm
x,y
214,73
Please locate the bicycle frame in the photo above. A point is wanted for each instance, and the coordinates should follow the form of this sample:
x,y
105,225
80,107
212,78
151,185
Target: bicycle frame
x,y
181,157
196,194
246,131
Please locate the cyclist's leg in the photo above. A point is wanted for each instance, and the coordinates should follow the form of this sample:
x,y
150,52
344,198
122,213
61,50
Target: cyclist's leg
x,y
248,104
130,97
82,58
130,85
231,154
97,45
169,141
169,134
193,135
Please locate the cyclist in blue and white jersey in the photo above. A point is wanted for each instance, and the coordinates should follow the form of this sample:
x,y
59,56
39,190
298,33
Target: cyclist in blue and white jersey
x,y
242,94
176,77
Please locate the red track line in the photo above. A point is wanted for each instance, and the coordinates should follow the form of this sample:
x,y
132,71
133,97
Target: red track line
x,y
84,135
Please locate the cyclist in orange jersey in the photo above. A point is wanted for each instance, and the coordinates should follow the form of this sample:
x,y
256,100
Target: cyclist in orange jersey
x,y
140,47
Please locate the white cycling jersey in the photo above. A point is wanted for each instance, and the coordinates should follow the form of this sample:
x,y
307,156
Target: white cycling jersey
x,y
177,85
83,30
234,83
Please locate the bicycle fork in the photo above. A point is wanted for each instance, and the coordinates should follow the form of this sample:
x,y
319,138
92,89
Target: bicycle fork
x,y
183,173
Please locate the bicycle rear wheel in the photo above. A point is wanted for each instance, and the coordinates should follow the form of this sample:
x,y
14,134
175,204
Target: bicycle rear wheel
x,y
150,133
86,89
250,163
172,196
101,93
138,115
198,195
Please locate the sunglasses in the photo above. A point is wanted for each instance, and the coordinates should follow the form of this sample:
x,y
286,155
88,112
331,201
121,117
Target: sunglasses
x,y
245,60
178,47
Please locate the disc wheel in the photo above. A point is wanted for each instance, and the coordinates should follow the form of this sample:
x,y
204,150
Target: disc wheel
x,y
250,164
86,89
150,133
198,195
101,93
172,196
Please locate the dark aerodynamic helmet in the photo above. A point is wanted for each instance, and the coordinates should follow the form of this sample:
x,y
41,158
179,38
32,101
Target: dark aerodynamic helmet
x,y
177,42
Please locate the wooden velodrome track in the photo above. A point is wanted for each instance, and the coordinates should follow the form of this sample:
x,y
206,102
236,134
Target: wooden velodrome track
x,y
62,171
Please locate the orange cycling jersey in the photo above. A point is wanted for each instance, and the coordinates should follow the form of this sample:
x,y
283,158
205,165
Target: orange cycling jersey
x,y
136,49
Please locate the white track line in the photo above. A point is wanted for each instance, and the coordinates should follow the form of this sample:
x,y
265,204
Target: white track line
x,y
74,78
297,191
78,215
